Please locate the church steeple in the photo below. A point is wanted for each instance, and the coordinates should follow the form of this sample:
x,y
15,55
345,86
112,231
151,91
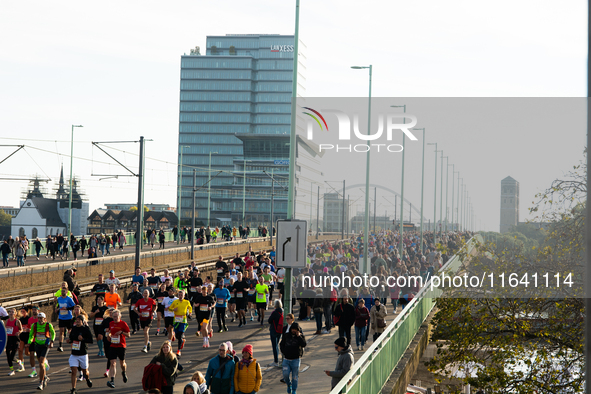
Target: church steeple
x,y
61,193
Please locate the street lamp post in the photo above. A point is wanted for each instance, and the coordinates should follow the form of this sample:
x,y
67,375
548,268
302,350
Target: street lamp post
x,y
401,243
458,203
435,196
364,268
446,187
69,232
422,186
441,200
180,197
209,188
453,186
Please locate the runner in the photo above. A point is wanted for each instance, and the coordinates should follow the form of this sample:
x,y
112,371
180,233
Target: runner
x,y
145,309
116,333
100,288
80,337
153,280
160,295
112,299
262,290
132,298
107,319
41,339
222,296
269,280
168,315
13,330
181,307
232,301
203,305
112,280
165,276
240,290
31,352
23,338
97,314
64,307
251,282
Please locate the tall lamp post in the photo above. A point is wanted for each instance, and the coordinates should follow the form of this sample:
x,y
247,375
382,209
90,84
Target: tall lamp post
x,y
244,193
401,243
178,210
435,196
209,188
364,268
446,187
422,187
70,197
441,200
453,186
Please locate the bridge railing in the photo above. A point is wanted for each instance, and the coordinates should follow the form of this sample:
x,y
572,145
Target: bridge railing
x,y
371,372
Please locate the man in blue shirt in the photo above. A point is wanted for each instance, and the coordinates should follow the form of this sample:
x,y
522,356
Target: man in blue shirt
x,y
137,278
64,307
222,296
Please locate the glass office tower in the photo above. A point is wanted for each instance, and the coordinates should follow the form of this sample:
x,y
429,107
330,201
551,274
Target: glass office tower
x,y
235,109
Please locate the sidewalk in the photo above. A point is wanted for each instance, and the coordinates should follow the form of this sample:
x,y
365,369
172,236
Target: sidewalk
x,y
318,357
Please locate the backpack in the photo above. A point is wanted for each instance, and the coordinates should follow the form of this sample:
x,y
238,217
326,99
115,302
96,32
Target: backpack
x,y
279,326
153,377
333,295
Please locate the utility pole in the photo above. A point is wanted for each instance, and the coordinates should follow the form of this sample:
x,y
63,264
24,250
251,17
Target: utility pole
x,y
139,242
343,221
318,213
193,214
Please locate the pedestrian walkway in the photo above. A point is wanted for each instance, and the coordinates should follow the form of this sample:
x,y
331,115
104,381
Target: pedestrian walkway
x,y
318,357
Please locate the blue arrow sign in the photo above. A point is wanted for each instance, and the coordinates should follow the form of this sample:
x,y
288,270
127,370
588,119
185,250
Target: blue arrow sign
x,y
2,337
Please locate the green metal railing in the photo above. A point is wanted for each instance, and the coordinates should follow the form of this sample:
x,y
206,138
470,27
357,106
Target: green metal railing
x,y
371,372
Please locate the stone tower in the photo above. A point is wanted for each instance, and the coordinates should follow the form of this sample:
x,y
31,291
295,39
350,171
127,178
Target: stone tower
x,y
509,204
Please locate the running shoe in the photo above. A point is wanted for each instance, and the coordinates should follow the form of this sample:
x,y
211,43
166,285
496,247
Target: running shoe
x,y
145,349
88,381
111,384
106,375
60,349
45,381
40,387
149,346
178,353
33,374
73,391
124,375
21,367
11,373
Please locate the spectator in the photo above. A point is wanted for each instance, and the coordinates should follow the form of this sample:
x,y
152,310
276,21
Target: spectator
x,y
344,362
220,372
201,385
168,361
247,375
361,317
275,330
378,319
344,316
292,346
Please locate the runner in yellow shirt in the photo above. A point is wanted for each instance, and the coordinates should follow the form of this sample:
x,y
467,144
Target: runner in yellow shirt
x,y
181,308
261,291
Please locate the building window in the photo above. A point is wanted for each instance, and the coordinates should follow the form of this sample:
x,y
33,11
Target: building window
x,y
21,232
34,233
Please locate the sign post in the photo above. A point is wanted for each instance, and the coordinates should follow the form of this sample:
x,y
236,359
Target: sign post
x,y
291,242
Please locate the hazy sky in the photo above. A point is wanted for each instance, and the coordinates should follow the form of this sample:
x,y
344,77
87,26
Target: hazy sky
x,y
115,69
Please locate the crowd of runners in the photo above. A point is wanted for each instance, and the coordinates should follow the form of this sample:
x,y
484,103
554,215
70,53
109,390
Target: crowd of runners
x,y
242,290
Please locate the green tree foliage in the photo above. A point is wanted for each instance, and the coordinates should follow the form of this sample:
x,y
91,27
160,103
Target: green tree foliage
x,y
134,208
5,219
526,339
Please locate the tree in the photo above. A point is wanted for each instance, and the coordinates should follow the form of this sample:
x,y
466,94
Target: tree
x,y
134,208
5,219
525,339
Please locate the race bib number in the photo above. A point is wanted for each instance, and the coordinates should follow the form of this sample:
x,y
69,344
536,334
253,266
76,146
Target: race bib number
x,y
111,307
9,330
115,339
76,345
62,312
267,282
193,289
251,292
145,314
40,337
220,271
98,322
178,319
221,302
280,280
153,285
239,295
203,308
160,299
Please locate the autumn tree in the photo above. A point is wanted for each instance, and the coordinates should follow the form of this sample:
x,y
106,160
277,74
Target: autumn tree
x,y
528,337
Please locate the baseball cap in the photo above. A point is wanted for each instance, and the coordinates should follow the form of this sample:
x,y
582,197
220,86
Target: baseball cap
x,y
111,272
41,314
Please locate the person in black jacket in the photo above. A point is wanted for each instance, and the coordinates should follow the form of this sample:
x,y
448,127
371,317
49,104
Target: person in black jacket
x,y
275,330
80,337
169,363
344,313
6,250
292,347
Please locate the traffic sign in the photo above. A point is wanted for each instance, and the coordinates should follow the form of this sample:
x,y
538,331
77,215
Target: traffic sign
x,y
2,337
292,239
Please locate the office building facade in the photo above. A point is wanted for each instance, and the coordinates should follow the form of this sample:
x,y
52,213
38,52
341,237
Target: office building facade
x,y
509,204
235,113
